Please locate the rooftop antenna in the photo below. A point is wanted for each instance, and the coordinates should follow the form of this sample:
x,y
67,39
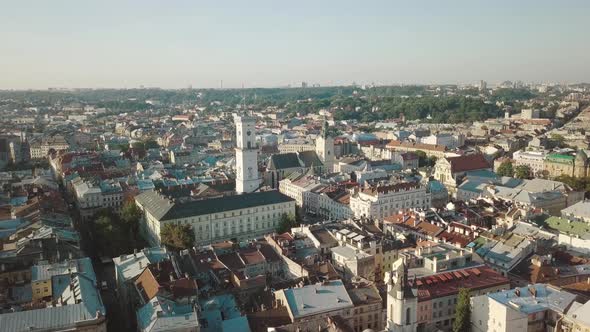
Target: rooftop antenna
x,y
221,84
243,98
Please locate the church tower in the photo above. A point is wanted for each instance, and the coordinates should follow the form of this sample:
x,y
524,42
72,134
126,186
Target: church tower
x,y
247,179
402,300
324,147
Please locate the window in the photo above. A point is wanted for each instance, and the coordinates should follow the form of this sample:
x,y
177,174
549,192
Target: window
x,y
408,314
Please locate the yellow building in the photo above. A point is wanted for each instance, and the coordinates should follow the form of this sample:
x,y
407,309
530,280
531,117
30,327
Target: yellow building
x,y
41,289
563,164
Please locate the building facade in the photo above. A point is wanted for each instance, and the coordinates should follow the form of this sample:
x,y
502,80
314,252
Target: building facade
x,y
564,164
247,179
39,150
535,160
381,201
239,217
537,307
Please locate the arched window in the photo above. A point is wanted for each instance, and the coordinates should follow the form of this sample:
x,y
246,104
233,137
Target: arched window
x,y
408,316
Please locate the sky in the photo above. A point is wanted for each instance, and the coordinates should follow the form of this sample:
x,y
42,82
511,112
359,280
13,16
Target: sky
x,y
174,44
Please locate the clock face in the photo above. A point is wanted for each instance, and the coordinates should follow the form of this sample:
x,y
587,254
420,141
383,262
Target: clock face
x,y
248,133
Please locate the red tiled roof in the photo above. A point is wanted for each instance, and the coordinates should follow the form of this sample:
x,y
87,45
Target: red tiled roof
x,y
251,256
468,163
449,283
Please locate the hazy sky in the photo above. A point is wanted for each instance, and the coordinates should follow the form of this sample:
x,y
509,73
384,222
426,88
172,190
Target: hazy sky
x,y
273,43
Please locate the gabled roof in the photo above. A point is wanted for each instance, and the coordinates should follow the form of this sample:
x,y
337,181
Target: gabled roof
x,y
293,160
283,160
164,209
468,163
310,158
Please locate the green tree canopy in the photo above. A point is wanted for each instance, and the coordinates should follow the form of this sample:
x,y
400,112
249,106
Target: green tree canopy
x,y
130,215
287,222
505,169
522,172
462,312
108,235
559,140
177,237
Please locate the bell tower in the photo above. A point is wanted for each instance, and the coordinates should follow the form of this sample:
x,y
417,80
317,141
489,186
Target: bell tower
x,y
324,147
402,300
247,179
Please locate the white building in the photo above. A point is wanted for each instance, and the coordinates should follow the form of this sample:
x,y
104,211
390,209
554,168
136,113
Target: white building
x,y
448,140
39,150
299,187
402,300
247,179
532,159
331,204
381,201
577,212
295,146
242,217
534,308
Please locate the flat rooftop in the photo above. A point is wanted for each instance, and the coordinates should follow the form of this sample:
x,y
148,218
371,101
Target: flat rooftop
x,y
535,298
316,299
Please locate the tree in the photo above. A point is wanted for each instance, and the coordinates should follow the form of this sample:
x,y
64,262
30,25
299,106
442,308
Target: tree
x,y
287,222
506,169
559,140
177,237
108,235
462,312
130,215
522,172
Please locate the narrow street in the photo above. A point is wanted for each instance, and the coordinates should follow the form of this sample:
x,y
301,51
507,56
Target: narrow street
x,y
104,272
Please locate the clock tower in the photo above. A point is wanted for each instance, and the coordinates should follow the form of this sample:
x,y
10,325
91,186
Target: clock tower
x,y
324,147
247,179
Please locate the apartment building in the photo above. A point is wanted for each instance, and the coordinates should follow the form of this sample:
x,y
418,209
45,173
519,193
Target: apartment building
x,y
533,159
383,200
537,307
39,149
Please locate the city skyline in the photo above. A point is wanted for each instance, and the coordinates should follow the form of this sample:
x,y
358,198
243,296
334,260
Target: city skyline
x,y
125,45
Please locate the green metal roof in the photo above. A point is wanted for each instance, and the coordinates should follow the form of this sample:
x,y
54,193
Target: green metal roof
x,y
560,156
571,227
